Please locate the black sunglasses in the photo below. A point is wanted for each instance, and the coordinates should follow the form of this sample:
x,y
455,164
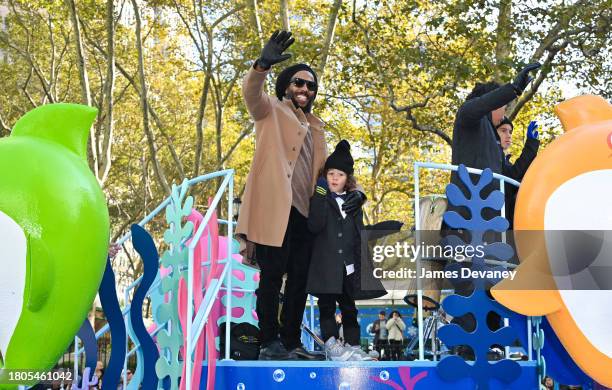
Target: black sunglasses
x,y
298,82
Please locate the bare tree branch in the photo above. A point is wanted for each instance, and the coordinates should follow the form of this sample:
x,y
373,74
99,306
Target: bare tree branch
x,y
3,126
158,122
535,85
242,135
408,108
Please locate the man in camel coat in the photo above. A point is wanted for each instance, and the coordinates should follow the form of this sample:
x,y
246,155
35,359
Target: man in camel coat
x,y
290,151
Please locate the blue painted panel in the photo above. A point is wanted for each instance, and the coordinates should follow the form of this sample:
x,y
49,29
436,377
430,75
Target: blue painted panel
x,y
255,375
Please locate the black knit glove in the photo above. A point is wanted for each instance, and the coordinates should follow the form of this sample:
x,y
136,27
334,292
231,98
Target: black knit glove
x,y
522,78
272,53
354,201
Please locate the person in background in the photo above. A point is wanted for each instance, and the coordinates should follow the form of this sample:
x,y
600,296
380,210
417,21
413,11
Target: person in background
x,y
339,326
379,328
548,383
474,141
99,374
475,144
396,326
113,249
517,170
123,386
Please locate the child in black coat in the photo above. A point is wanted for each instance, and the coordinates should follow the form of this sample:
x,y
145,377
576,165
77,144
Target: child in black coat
x,y
335,257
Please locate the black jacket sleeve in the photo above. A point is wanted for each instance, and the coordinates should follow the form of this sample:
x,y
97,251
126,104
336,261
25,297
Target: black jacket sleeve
x,y
517,170
317,214
473,110
382,229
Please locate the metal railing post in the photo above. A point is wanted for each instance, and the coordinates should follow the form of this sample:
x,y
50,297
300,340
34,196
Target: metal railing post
x,y
417,223
228,283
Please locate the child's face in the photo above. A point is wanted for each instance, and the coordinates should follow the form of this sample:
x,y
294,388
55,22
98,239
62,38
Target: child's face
x,y
336,180
505,136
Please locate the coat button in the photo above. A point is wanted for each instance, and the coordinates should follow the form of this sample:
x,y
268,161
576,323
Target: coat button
x,y
339,234
340,251
299,133
289,175
339,218
293,148
290,162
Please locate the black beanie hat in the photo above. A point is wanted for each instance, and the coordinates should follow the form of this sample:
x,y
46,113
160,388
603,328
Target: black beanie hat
x,y
341,158
505,121
284,77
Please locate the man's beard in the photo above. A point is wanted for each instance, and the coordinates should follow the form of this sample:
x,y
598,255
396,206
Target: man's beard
x,y
306,108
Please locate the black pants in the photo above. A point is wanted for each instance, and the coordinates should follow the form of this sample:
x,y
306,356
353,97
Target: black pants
x,y
293,258
327,314
380,345
395,349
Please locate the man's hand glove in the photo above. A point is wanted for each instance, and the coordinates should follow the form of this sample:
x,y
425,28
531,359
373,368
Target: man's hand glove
x,y
532,130
354,201
272,53
321,187
522,78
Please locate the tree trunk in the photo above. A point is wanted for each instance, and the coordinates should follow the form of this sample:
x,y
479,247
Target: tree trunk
x,y
504,47
284,10
202,107
84,80
157,168
108,92
329,38
255,20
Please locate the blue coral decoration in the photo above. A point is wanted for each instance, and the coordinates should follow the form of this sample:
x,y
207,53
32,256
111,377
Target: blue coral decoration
x,y
112,310
477,225
90,345
479,304
144,245
452,368
169,367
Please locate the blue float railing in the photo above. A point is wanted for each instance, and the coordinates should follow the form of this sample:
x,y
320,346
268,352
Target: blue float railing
x,y
201,315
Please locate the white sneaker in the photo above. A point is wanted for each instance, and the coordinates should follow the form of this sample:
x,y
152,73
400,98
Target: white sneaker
x,y
359,354
334,350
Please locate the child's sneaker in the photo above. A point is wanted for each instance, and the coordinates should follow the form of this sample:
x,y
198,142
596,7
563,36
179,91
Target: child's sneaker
x,y
336,351
358,353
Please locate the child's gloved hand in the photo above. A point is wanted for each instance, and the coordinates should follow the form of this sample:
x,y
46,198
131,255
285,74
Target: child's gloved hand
x,y
532,130
322,186
354,201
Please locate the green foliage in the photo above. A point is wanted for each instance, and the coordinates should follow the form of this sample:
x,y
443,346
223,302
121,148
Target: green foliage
x,y
396,73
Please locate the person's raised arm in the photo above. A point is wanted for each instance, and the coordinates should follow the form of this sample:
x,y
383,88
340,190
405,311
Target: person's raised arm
x,y
517,170
257,101
474,109
401,324
390,323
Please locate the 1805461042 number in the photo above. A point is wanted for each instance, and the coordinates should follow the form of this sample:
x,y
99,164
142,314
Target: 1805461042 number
x,y
25,376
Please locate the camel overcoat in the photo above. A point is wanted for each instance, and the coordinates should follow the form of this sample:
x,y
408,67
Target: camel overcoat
x,y
280,129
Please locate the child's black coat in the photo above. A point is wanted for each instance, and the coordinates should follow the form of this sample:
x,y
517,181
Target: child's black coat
x,y
333,234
